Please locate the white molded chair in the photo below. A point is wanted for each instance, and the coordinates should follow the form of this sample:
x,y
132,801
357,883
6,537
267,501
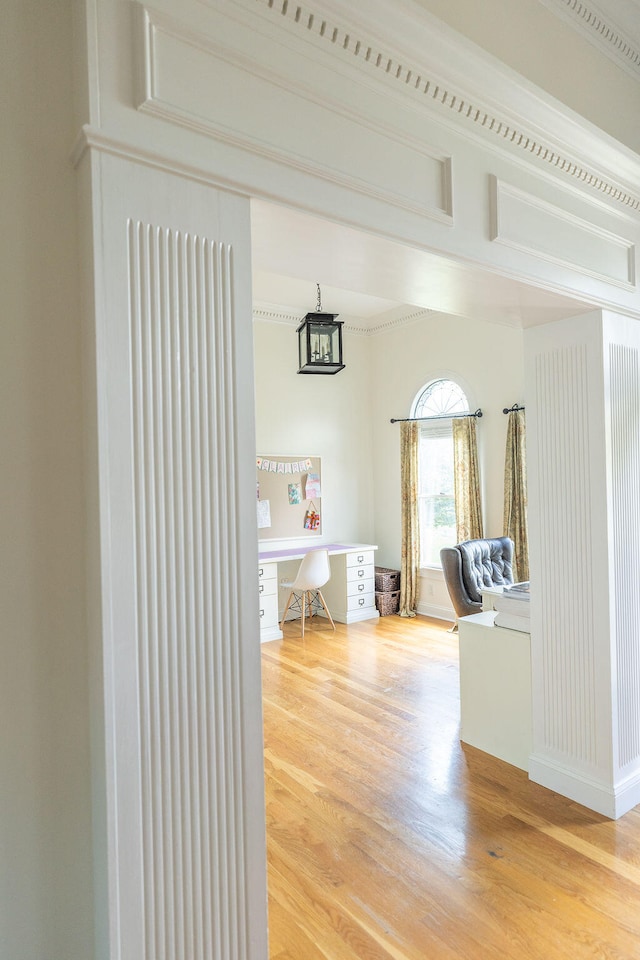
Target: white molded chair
x,y
313,573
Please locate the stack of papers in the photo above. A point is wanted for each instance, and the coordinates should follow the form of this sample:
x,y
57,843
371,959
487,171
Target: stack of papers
x,y
512,607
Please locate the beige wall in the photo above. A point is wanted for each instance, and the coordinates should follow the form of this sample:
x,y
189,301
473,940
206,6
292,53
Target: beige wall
x,y
45,865
548,51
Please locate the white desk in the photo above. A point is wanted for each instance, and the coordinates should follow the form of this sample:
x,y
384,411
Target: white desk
x,y
350,593
495,689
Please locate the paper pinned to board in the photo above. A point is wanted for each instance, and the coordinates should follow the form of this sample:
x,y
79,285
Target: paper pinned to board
x,y
312,487
264,514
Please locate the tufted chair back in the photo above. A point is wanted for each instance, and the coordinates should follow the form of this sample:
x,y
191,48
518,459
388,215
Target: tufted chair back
x,y
473,565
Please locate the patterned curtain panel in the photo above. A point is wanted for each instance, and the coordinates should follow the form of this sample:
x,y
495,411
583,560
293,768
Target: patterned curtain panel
x,y
515,493
410,538
466,479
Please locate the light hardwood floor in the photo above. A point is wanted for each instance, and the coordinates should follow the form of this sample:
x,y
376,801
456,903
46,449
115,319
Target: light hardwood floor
x,y
387,840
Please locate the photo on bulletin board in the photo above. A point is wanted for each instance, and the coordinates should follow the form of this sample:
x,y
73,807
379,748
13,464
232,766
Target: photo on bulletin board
x,y
289,491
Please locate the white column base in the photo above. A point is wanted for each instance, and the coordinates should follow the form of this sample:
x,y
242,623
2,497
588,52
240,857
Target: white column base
x,y
612,802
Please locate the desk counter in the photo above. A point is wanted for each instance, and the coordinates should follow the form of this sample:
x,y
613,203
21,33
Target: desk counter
x,y
350,593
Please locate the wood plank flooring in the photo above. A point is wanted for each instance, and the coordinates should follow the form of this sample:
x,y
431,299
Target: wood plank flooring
x,y
389,840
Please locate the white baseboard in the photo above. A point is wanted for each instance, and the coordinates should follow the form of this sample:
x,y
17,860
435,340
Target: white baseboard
x,y
610,801
436,611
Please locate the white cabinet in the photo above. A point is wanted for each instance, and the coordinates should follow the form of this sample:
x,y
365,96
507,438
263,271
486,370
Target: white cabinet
x,y
350,593
495,689
268,601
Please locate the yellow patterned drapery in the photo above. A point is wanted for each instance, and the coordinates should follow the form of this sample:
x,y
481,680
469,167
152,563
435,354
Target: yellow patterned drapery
x,y
466,479
410,561
515,493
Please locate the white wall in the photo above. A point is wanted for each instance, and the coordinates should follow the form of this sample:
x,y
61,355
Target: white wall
x,y
487,360
346,419
45,865
326,416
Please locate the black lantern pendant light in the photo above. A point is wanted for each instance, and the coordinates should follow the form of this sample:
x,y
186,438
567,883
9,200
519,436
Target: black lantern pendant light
x,y
320,342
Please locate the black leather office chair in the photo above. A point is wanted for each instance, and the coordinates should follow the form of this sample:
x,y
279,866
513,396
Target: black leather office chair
x,y
473,565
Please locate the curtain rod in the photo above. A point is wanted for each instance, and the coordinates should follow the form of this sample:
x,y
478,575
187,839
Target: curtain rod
x,y
442,416
512,409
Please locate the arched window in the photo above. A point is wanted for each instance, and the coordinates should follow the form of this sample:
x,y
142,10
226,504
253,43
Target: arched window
x,y
439,400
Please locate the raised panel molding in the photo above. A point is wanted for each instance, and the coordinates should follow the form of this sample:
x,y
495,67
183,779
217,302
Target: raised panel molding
x,y
467,111
527,223
181,72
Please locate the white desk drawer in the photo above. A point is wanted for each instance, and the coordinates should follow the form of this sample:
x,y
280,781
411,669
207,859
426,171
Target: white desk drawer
x,y
356,588
267,571
360,601
267,588
360,573
268,607
362,558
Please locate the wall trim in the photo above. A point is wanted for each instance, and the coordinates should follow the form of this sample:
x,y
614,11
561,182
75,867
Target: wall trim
x,y
273,314
600,30
612,803
151,101
89,138
435,611
509,127
501,193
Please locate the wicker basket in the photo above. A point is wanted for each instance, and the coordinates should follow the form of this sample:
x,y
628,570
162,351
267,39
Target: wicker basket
x,y
387,579
387,602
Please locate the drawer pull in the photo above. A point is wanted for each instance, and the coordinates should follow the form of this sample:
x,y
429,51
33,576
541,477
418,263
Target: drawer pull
x,y
261,588
260,571
361,586
361,558
262,613
361,573
361,601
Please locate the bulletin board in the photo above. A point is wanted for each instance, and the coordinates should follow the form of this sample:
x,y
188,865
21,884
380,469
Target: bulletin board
x,y
289,495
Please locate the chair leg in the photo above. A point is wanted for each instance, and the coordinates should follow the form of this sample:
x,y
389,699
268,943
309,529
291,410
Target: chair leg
x,y
326,609
286,609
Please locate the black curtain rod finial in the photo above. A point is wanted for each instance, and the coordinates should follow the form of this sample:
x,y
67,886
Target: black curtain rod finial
x,y
512,409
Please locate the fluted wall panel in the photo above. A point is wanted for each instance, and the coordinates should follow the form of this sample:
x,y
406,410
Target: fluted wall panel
x,y
565,721
181,314
624,378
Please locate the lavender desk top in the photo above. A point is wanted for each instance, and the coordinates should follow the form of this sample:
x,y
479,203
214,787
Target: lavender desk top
x,y
295,553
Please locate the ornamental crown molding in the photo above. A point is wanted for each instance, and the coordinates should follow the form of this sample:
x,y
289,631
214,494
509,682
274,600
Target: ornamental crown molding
x,y
445,74
615,40
268,313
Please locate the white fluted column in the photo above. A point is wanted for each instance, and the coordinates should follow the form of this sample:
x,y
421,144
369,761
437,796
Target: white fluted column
x,y
583,447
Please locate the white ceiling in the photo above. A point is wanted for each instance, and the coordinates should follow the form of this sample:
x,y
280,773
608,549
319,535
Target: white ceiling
x,y
372,282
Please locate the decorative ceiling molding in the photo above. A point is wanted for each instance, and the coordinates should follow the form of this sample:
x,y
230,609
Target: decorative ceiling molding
x,y
271,314
416,82
600,30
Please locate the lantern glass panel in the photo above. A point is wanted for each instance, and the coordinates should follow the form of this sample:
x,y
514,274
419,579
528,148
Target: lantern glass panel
x,y
324,343
320,344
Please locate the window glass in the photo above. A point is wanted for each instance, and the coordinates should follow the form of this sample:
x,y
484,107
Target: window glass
x,y
436,505
439,398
